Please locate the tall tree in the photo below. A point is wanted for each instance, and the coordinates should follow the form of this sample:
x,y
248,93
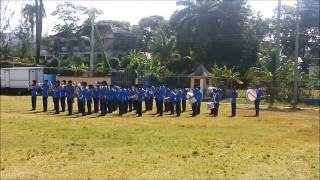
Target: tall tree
x,y
39,15
223,32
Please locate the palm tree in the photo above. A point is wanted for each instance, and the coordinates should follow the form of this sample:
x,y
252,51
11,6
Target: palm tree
x,y
29,13
163,47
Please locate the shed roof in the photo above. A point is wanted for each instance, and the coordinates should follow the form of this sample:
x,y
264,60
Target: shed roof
x,y
201,71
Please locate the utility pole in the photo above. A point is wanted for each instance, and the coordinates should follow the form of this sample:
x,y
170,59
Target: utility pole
x,y
296,56
92,42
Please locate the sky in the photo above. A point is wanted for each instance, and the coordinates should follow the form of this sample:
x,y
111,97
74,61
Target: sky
x,y
131,11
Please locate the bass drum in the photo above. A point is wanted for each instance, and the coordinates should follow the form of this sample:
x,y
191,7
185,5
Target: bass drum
x,y
251,94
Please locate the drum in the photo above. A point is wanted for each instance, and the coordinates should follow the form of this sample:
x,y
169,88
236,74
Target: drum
x,y
210,105
135,97
189,95
251,94
192,100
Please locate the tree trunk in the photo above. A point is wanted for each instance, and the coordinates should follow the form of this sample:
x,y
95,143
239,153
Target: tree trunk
x,y
39,8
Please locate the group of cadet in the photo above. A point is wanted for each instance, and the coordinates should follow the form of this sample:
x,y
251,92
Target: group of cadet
x,y
110,98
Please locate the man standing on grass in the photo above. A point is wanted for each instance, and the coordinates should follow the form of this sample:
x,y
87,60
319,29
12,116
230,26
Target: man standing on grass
x,y
233,97
184,99
260,94
178,102
34,93
45,94
56,96
96,97
63,96
70,92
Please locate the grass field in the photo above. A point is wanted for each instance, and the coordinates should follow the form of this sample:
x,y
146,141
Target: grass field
x,y
276,145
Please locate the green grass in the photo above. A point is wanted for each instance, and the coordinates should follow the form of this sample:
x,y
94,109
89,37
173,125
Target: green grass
x,y
277,145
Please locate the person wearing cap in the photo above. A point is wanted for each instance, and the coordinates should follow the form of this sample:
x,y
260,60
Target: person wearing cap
x,y
171,102
233,96
198,96
141,93
89,95
194,104
45,94
83,94
34,92
184,99
63,96
130,99
217,96
260,95
56,96
178,101
96,97
70,92
161,95
104,100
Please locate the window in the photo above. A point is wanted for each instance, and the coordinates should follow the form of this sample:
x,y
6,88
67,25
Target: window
x,y
197,83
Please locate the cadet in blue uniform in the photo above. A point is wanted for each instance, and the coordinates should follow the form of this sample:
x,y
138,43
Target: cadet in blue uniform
x,y
233,97
184,99
161,96
89,96
70,91
140,92
120,98
63,96
198,97
216,99
260,94
34,93
178,101
171,102
78,94
110,99
96,97
156,97
194,105
130,99
83,93
45,94
56,96
166,103
104,100
151,93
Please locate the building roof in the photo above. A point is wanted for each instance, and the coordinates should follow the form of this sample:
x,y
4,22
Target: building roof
x,y
21,68
201,71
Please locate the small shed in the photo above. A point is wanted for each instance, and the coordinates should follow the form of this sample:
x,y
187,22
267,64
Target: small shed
x,y
201,77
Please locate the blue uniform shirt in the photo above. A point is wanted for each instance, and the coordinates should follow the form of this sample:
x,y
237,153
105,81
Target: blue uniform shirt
x,y
83,93
234,96
103,92
96,93
34,89
70,89
179,95
184,95
63,91
57,91
45,90
260,93
89,94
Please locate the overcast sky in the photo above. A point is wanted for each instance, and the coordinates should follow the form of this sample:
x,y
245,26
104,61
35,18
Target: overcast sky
x,y
131,11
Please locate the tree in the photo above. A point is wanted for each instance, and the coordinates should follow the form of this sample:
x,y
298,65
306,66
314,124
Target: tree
x,y
147,27
218,32
69,15
39,16
5,38
163,47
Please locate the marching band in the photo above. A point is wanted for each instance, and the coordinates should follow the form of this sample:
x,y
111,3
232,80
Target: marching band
x,y
109,98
